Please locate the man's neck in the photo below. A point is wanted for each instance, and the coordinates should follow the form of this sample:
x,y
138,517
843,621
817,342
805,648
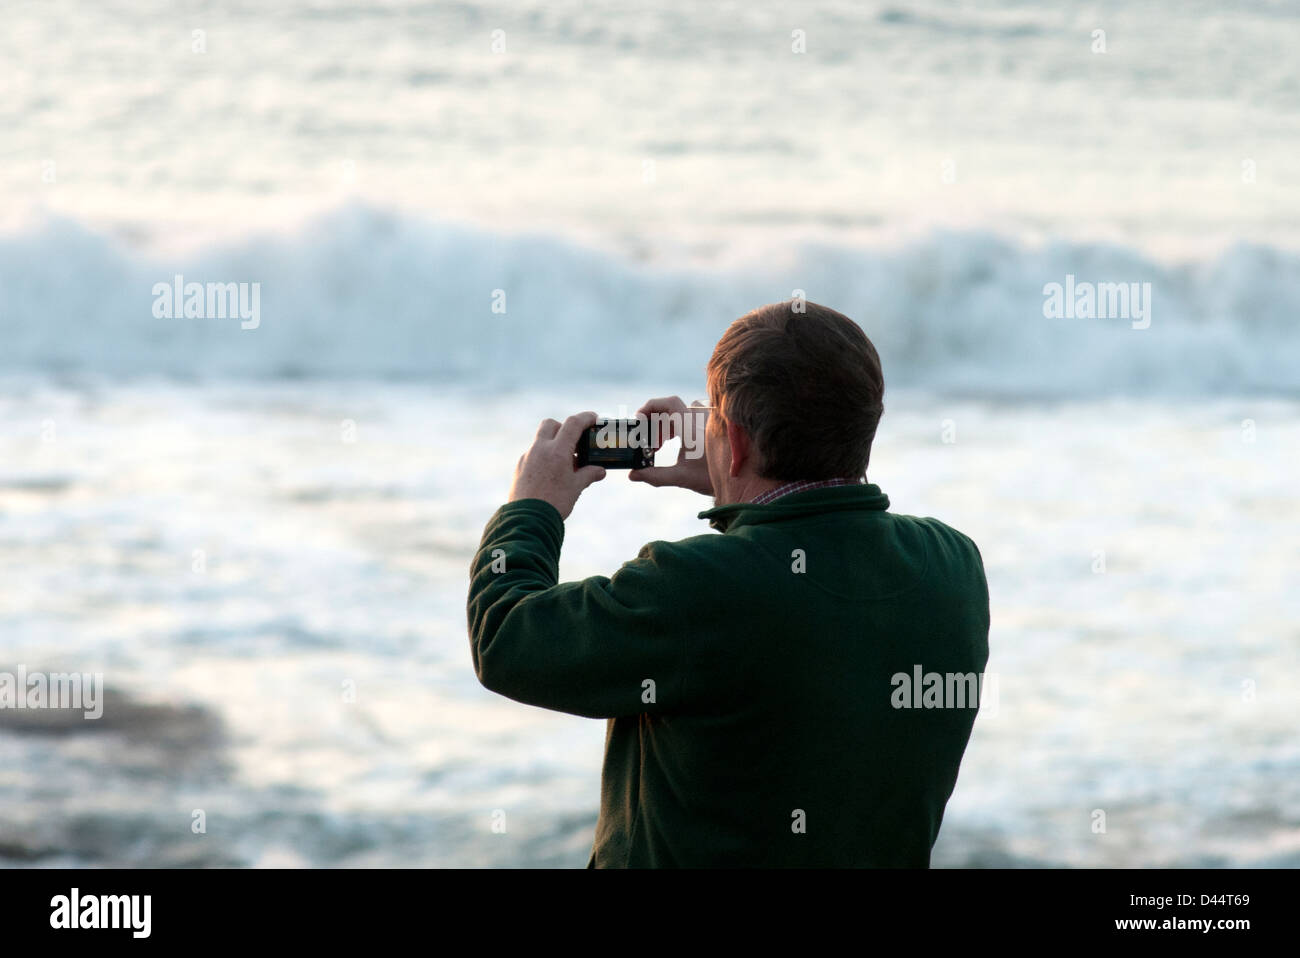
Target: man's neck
x,y
756,487
746,489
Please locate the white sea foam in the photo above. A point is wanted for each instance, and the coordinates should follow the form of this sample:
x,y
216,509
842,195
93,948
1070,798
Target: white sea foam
x,y
362,292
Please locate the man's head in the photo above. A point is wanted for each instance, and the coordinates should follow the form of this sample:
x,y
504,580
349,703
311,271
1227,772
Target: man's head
x,y
796,393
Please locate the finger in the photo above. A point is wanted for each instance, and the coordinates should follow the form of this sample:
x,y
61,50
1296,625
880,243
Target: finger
x,y
654,476
667,428
572,429
662,404
547,429
589,474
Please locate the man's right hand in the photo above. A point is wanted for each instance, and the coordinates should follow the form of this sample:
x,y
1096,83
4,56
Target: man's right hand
x,y
687,473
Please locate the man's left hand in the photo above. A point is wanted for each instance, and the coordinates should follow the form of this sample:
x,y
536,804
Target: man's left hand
x,y
546,471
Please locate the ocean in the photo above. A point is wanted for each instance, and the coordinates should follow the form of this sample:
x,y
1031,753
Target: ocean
x,y
456,219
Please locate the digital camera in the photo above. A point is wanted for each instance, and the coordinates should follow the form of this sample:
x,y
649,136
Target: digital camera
x,y
616,444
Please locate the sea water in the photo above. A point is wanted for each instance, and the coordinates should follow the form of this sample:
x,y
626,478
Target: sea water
x,y
461,219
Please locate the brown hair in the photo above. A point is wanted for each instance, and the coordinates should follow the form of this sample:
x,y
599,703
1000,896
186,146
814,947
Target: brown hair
x,y
805,382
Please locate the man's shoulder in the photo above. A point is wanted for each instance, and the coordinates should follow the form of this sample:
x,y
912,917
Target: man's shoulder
x,y
709,548
710,560
685,574
946,546
941,530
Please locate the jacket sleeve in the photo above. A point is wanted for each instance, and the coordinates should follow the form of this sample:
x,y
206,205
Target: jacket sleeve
x,y
600,648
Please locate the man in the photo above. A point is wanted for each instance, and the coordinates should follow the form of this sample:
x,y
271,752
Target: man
x,y
759,683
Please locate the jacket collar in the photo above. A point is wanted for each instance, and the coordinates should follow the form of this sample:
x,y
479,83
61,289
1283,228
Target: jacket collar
x,y
867,496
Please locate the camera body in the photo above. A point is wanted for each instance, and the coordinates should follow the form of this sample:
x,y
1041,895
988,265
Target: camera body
x,y
616,444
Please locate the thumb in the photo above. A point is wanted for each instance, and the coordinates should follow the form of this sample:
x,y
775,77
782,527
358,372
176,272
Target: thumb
x,y
589,474
653,476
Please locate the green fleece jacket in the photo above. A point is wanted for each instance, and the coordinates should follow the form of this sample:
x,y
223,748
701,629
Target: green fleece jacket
x,y
797,691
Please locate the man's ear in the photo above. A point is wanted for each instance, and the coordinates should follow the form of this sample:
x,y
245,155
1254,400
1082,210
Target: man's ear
x,y
738,439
